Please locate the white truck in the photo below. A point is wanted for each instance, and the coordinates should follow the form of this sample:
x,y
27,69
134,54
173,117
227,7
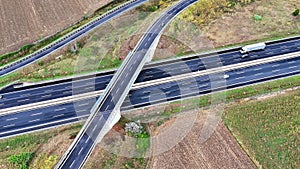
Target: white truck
x,y
253,47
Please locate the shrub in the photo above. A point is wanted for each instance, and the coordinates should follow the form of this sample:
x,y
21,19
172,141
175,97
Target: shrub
x,y
296,12
257,17
22,160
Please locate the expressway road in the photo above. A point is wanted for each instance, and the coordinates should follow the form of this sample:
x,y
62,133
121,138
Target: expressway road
x,y
68,87
69,38
98,122
32,120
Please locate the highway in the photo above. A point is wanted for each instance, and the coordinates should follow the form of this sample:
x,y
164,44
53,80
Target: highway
x,y
32,120
68,87
69,37
105,111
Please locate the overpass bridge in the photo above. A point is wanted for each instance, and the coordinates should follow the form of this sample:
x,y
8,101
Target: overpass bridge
x,y
106,111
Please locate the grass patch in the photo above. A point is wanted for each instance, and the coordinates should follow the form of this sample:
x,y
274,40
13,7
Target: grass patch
x,y
45,161
15,151
21,161
142,143
23,142
268,129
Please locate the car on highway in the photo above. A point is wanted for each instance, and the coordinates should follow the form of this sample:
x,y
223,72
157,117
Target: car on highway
x,y
226,76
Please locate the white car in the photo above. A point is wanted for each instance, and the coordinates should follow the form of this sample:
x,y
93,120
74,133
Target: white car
x,y
1,96
226,76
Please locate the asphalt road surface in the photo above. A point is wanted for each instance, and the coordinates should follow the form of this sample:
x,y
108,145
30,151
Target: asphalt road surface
x,y
32,120
64,88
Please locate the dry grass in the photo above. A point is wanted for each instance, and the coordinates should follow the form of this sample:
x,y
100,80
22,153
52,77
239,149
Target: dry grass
x,y
240,26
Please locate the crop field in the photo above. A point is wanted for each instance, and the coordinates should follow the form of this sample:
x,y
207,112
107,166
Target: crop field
x,y
268,129
24,22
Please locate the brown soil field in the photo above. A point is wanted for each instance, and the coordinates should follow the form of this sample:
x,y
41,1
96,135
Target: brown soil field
x,y
23,22
220,150
240,26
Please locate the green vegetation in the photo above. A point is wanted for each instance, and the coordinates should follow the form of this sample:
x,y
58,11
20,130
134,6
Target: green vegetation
x,y
110,160
142,143
109,163
21,161
257,17
202,12
268,129
296,12
20,151
135,163
23,142
154,5
44,161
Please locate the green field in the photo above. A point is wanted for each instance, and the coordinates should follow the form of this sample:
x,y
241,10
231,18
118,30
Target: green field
x,y
268,130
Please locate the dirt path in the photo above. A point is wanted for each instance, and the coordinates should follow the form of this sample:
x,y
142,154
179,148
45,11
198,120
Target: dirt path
x,y
23,22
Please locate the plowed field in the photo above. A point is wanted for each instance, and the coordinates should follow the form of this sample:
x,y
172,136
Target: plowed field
x,y
23,22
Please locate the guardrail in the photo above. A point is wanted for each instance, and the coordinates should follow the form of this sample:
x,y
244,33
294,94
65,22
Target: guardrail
x,y
148,83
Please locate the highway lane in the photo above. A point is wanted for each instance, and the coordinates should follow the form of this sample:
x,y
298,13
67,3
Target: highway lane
x,y
98,123
37,93
289,43
69,38
14,124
